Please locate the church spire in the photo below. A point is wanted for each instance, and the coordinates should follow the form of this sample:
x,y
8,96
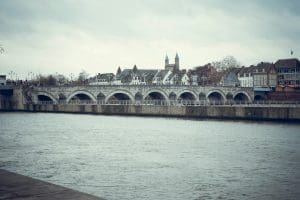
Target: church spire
x,y
166,60
176,62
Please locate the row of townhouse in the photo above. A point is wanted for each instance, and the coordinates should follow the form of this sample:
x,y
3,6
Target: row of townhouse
x,y
142,77
262,75
171,75
265,76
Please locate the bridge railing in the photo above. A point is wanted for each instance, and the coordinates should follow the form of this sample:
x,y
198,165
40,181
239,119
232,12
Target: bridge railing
x,y
173,102
81,102
43,102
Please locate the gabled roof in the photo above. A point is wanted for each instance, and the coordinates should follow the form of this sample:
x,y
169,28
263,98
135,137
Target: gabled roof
x,y
291,62
148,74
247,70
263,67
106,76
124,73
178,74
162,73
141,73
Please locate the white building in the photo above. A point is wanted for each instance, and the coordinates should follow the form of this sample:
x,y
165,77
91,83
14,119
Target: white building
x,y
162,77
102,79
245,76
180,78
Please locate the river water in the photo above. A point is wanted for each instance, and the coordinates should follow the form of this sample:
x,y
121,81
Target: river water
x,y
118,157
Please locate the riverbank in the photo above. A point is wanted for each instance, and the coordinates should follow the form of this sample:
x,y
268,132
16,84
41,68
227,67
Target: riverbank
x,y
241,112
16,186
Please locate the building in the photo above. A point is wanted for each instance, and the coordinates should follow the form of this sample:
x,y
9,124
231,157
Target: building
x,y
264,76
206,75
123,77
179,78
143,77
134,76
2,79
288,72
230,78
193,79
102,79
162,77
172,67
245,76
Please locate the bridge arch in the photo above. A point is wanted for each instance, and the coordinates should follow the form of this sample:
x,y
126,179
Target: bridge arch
x,y
187,95
81,94
156,94
260,97
120,95
45,96
215,95
241,96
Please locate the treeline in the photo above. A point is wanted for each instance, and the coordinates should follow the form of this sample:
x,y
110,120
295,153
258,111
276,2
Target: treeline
x,y
59,79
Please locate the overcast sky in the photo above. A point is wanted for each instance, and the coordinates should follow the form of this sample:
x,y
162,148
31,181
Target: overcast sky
x,y
67,36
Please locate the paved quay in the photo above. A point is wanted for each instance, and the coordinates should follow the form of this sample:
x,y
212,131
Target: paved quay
x,y
17,187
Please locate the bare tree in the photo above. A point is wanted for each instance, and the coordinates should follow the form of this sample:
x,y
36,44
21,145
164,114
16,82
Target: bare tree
x,y
48,80
82,77
226,63
61,79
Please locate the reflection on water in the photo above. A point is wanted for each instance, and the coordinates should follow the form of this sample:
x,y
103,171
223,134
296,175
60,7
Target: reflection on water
x,y
154,158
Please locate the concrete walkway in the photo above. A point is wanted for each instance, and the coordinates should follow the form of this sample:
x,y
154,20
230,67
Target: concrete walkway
x,y
17,187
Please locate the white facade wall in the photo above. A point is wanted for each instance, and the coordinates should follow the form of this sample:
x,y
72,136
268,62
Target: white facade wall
x,y
166,78
135,81
260,80
185,80
246,81
117,82
162,80
273,80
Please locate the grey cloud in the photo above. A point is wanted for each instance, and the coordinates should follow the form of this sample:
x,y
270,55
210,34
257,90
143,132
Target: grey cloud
x,y
41,27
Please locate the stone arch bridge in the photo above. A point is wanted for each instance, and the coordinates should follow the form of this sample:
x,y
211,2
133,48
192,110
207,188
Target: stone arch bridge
x,y
139,93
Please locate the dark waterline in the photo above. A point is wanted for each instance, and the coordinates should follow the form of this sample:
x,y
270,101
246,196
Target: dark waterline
x,y
119,157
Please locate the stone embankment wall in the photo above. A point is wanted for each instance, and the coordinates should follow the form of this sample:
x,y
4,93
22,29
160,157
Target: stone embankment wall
x,y
225,112
14,102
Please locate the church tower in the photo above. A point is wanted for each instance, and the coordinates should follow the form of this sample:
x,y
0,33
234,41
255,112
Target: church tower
x,y
176,68
172,67
166,61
